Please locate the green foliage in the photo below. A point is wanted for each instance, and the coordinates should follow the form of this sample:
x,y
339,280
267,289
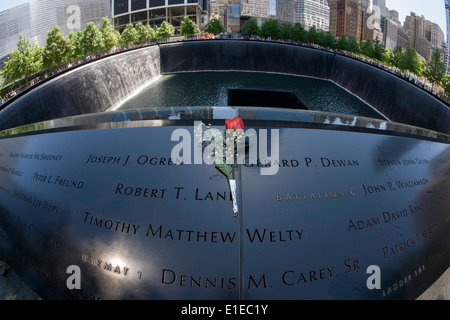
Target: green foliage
x,y
11,71
223,167
366,48
57,49
286,31
251,28
343,43
129,35
350,44
378,51
110,36
411,60
91,39
188,27
270,29
407,60
389,58
299,33
23,61
28,59
435,69
398,58
329,41
214,26
354,45
313,36
446,85
166,30
144,32
75,44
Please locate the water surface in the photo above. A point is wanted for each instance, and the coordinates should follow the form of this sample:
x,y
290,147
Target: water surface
x,y
211,89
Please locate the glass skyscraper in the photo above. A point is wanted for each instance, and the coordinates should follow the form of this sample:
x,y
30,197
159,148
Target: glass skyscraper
x,y
35,18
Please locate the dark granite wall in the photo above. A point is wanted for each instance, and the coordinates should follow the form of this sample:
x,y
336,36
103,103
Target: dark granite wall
x,y
399,100
94,87
394,97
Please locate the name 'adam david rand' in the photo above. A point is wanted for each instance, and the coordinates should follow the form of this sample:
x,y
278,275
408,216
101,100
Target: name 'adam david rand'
x,y
63,182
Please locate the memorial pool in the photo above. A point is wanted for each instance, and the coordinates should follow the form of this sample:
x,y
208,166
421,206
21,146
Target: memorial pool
x,y
210,89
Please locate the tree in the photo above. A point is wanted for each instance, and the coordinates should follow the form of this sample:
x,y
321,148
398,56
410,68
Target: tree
x,y
399,58
74,42
57,49
11,71
110,36
389,58
411,60
129,35
435,69
166,30
23,61
354,45
144,32
270,29
286,31
313,36
251,28
378,50
446,85
329,40
150,32
91,40
367,48
343,43
188,27
299,33
214,26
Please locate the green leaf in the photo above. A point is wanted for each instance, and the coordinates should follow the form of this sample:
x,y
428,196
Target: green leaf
x,y
214,26
224,168
189,27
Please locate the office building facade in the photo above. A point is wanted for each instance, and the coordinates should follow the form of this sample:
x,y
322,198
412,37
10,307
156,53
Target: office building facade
x,y
447,14
422,35
154,12
255,8
35,18
228,12
306,12
350,17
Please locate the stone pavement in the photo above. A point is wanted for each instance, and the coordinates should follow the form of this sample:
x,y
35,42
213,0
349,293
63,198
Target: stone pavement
x,y
13,288
440,290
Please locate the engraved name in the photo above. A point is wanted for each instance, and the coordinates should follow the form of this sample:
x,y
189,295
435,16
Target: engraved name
x,y
390,186
307,162
402,162
106,159
36,156
253,235
108,266
12,171
108,224
401,247
314,195
58,181
385,217
171,277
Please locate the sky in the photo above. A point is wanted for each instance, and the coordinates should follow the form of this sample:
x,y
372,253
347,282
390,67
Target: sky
x,y
433,10
6,4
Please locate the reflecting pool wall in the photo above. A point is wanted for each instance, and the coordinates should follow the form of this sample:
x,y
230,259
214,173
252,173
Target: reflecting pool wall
x,y
101,85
